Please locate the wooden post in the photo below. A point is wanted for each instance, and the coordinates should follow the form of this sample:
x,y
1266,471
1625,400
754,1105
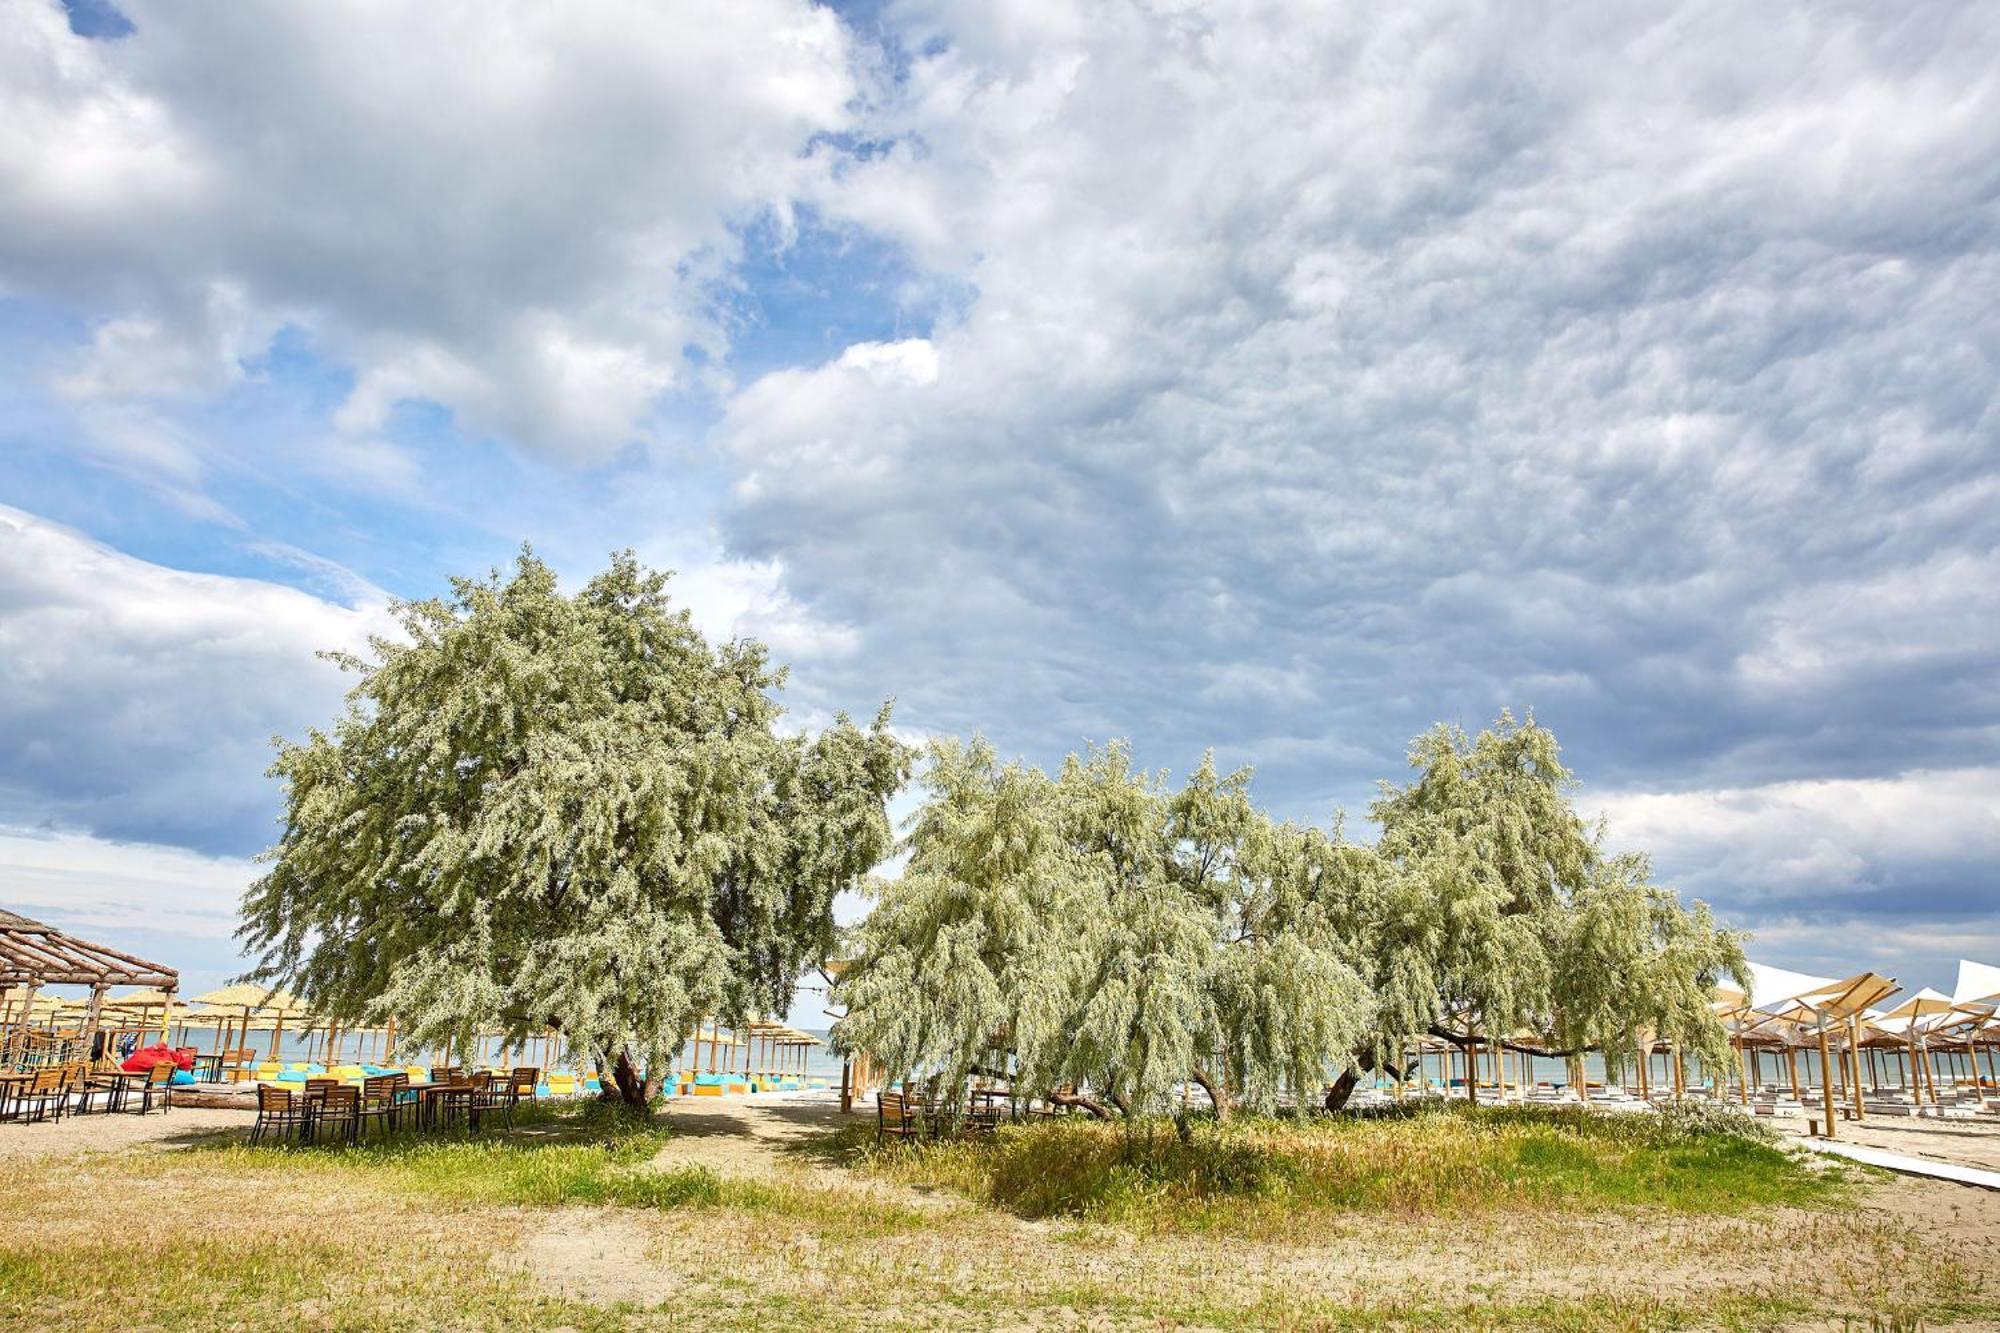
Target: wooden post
x,y
91,1013
1826,1077
1855,1063
17,1040
1742,1073
1471,1054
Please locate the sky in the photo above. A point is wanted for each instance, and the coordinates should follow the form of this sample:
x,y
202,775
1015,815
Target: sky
x,y
1277,378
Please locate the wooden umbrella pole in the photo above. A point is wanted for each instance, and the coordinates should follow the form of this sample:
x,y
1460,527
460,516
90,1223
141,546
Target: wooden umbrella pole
x,y
1826,1077
1854,1065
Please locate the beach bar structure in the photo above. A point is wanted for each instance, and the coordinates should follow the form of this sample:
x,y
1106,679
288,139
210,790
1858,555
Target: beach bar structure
x,y
34,956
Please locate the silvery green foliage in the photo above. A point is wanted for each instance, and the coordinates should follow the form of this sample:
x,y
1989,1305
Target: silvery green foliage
x,y
1104,931
1493,908
569,812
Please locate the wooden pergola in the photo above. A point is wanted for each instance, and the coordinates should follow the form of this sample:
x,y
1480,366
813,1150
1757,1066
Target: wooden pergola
x,y
33,955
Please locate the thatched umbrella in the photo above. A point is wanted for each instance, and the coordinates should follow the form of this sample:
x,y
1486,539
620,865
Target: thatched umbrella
x,y
250,999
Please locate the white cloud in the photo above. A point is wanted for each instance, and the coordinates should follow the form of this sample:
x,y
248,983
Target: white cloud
x,y
139,701
1327,372
517,211
1914,834
84,884
747,600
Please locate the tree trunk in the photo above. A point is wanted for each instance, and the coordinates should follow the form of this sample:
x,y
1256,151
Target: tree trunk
x,y
1078,1099
1216,1096
1342,1089
1123,1103
634,1090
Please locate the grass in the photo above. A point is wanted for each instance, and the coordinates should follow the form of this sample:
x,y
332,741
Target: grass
x,y
1260,1176
1459,1221
588,1154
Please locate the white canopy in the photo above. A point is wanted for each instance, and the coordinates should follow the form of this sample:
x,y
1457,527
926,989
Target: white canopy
x,y
1773,986
1978,983
1924,1010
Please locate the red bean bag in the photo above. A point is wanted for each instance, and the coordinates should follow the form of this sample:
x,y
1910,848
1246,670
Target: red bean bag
x,y
159,1053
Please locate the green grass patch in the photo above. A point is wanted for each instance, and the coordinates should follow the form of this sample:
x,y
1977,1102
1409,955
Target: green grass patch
x,y
576,1154
1446,1160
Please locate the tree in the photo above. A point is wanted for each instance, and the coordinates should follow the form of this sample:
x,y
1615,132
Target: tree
x,y
1489,910
1108,931
1110,934
569,812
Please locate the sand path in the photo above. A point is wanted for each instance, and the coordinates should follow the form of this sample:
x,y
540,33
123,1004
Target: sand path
x,y
75,1135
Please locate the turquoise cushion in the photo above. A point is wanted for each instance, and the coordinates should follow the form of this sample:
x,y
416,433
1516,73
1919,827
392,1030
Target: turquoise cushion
x,y
181,1078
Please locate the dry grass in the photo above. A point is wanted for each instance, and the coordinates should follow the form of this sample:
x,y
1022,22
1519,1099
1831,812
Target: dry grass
x,y
275,1239
1269,1177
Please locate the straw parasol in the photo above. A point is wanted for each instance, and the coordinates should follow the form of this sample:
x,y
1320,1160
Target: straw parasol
x,y
246,999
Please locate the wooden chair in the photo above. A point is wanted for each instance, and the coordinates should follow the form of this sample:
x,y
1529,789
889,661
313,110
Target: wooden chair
x,y
498,1092
898,1115
527,1081
455,1103
49,1088
339,1109
380,1101
77,1084
281,1110
159,1083
988,1109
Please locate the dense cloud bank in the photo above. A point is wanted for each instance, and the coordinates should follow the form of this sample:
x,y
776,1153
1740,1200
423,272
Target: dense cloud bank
x,y
1306,376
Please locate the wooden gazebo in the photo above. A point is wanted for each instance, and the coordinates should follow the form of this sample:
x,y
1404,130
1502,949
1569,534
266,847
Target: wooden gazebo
x,y
33,955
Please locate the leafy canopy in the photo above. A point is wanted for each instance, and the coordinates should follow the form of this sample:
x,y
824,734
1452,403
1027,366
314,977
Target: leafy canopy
x,y
1098,928
565,811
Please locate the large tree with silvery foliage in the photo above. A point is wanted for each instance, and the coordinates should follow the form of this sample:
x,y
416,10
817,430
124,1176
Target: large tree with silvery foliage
x,y
570,812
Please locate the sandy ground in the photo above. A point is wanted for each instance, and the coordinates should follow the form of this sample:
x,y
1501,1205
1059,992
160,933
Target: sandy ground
x,y
77,1134
1965,1142
610,1255
984,1263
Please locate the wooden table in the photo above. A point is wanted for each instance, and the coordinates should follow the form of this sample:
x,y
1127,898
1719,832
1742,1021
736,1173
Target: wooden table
x,y
121,1081
429,1095
10,1079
